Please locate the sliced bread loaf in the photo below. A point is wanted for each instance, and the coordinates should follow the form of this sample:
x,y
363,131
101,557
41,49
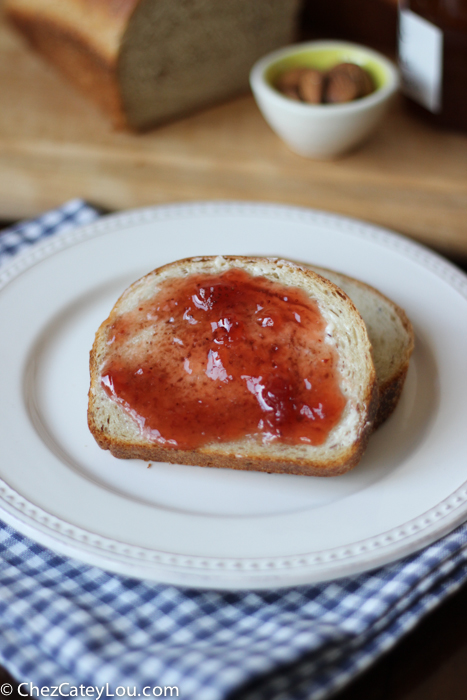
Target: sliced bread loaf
x,y
391,336
147,61
247,363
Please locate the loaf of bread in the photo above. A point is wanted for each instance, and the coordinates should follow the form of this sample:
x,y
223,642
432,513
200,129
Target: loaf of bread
x,y
391,336
246,363
148,61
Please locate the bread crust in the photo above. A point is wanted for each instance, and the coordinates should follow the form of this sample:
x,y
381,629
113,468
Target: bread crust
x,y
338,461
100,23
154,453
391,388
389,395
88,69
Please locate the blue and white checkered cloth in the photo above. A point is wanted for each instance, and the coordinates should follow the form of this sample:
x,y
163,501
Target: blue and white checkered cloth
x,y
64,622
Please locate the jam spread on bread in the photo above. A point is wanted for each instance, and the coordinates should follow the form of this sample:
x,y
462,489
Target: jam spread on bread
x,y
217,357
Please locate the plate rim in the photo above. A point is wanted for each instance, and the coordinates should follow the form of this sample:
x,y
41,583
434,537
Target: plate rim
x,y
232,573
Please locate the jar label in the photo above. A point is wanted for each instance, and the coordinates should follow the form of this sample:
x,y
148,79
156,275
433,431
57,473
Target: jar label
x,y
421,59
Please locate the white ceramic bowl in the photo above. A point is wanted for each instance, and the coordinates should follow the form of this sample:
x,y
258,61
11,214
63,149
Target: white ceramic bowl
x,y
326,130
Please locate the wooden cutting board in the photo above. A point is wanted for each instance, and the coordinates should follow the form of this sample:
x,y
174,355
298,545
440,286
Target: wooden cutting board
x,y
55,145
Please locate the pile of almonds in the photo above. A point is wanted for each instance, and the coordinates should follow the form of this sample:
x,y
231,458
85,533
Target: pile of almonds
x,y
342,83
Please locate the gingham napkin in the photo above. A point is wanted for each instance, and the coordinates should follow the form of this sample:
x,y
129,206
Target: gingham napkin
x,y
95,634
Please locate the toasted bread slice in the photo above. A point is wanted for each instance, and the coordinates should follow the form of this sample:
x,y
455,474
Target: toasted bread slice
x,y
391,336
155,344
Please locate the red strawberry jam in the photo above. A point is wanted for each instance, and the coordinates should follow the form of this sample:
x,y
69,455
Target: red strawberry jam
x,y
223,356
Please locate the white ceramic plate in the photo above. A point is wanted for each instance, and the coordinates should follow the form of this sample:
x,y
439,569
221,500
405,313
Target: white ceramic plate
x,y
221,528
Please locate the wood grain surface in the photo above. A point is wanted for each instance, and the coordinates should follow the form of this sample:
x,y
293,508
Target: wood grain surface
x,y
55,145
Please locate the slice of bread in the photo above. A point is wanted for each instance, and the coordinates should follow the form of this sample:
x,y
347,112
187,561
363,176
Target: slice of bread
x,y
391,336
118,428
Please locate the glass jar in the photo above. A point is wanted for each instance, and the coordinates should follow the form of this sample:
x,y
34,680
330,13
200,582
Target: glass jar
x,y
433,58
